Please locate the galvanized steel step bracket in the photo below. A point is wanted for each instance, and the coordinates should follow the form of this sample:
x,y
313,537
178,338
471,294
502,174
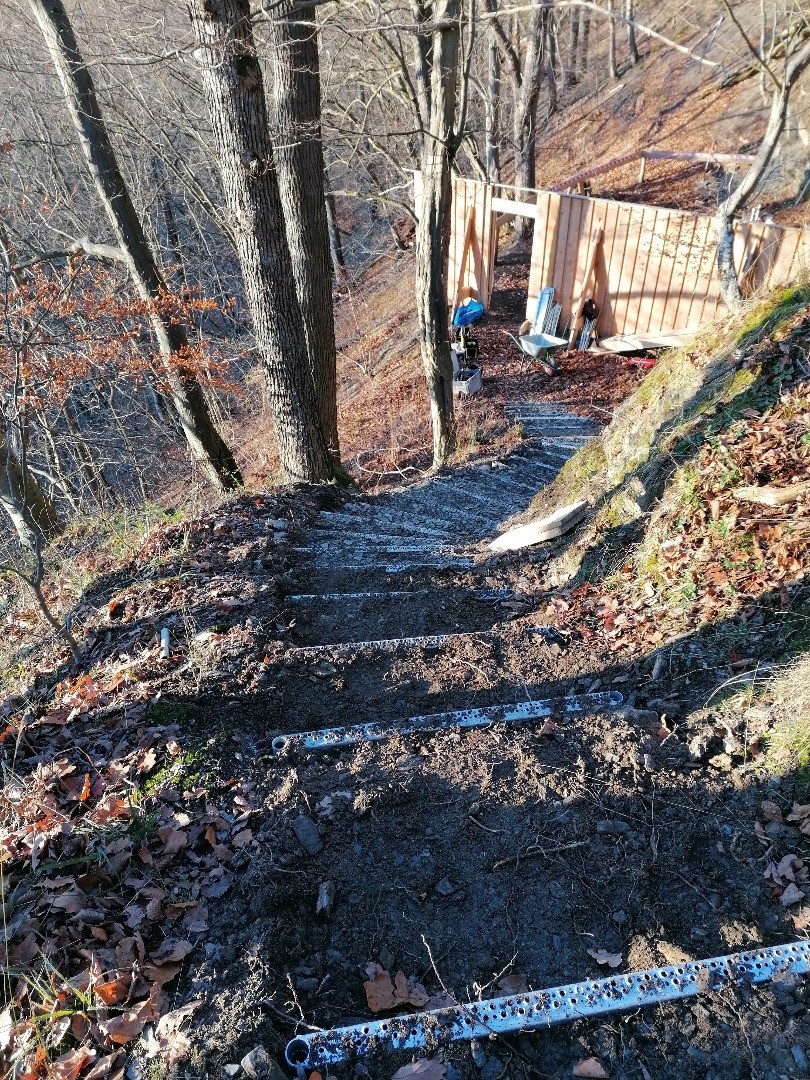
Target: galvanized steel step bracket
x,y
542,1008
333,738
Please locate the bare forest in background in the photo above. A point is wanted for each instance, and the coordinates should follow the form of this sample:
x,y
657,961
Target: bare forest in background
x,y
167,278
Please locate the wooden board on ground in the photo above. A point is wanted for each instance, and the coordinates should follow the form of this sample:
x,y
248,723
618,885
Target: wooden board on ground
x,y
627,343
536,532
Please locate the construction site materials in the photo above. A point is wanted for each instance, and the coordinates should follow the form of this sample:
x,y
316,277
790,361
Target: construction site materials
x,y
332,738
536,532
539,1009
655,270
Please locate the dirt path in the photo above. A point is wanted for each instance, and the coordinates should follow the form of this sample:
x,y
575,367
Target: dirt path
x,y
477,861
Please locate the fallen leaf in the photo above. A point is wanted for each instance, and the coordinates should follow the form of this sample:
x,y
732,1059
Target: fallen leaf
x,y
114,991
102,1067
602,956
792,895
174,840
423,1069
125,1027
244,836
591,1067
69,1065
196,921
166,1039
382,993
771,812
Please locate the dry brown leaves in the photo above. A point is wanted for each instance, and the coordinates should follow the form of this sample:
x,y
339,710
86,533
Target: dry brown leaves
x,y
384,993
100,904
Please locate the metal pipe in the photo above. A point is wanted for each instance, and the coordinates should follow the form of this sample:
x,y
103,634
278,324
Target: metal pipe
x,y
332,738
542,1008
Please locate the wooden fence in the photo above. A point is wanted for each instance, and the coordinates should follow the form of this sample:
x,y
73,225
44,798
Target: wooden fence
x,y
654,270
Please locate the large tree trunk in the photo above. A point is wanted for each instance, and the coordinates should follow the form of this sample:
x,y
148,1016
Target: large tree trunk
x,y
206,445
234,91
433,231
299,159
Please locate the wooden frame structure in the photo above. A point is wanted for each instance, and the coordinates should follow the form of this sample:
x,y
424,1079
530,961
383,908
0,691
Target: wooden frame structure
x,y
650,270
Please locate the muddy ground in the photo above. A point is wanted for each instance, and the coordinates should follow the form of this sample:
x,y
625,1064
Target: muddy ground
x,y
497,852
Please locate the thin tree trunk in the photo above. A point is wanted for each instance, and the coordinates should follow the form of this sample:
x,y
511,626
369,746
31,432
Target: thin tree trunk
x,y
206,445
612,69
56,464
525,118
298,152
492,115
724,218
632,47
552,47
571,76
234,91
586,38
335,244
433,230
93,476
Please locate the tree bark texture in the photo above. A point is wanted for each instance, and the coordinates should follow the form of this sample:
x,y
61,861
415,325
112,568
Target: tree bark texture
x,y
31,512
234,91
433,231
298,152
205,443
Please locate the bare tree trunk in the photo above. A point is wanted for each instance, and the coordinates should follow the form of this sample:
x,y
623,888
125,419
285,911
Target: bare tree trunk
x,y
433,230
234,91
552,47
55,463
299,160
206,445
492,114
93,476
32,513
631,33
525,118
586,38
571,75
335,244
724,218
612,69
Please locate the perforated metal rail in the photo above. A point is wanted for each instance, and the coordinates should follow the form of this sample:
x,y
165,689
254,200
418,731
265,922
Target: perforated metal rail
x,y
542,1008
332,738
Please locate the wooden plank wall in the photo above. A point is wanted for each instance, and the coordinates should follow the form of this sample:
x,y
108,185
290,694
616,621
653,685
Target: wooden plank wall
x,y
471,274
656,269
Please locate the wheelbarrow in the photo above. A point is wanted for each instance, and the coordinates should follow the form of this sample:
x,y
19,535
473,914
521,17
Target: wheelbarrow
x,y
537,348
